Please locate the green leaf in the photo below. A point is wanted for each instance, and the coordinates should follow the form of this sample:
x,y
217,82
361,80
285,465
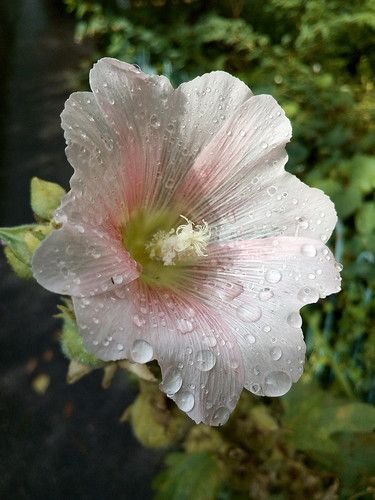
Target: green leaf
x,y
24,240
45,197
72,342
313,416
347,201
195,475
362,172
365,218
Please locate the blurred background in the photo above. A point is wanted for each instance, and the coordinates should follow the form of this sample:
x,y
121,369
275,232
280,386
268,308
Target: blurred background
x,y
317,58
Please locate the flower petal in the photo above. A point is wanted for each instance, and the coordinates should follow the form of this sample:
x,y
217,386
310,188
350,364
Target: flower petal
x,y
84,262
258,287
201,363
238,183
154,122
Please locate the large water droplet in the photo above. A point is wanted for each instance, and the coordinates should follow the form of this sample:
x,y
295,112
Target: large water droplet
x,y
308,250
185,400
249,312
294,319
206,360
276,353
220,416
308,295
172,382
277,384
142,351
273,276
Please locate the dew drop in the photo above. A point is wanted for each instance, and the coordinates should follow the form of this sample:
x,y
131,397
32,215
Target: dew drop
x,y
118,279
277,384
184,325
249,313
308,295
210,341
142,351
206,360
308,250
220,416
120,347
294,319
185,401
172,382
250,338
154,121
276,353
273,276
265,294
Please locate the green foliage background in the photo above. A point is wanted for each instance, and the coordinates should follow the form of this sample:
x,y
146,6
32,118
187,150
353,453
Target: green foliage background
x,y
317,58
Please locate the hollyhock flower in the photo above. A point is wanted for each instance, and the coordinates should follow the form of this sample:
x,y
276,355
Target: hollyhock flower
x,y
184,240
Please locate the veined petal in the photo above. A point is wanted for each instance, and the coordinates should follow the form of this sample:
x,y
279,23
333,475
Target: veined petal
x,y
257,288
201,364
84,262
239,186
153,122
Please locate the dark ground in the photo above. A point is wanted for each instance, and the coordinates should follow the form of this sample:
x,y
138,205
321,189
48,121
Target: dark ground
x,y
67,442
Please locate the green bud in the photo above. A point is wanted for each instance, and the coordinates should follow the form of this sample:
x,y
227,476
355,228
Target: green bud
x,y
45,197
24,240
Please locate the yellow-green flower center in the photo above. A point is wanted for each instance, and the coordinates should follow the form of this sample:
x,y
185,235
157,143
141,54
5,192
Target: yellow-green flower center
x,y
164,253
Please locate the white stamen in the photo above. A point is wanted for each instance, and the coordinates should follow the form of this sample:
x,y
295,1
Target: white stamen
x,y
187,241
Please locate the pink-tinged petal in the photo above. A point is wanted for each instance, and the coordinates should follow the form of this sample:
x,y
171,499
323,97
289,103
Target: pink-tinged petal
x,y
84,262
153,123
238,183
201,363
257,288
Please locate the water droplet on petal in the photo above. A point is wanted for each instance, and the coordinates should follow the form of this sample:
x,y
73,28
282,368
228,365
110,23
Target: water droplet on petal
x,y
220,416
308,295
276,353
265,294
184,326
185,401
142,351
250,338
154,121
120,347
172,382
294,319
210,341
308,250
206,360
277,384
273,276
249,312
118,279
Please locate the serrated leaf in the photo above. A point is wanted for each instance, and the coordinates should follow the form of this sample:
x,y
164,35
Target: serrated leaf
x,y
189,476
45,197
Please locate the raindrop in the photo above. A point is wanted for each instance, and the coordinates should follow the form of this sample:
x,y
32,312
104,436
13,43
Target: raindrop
x,y
210,341
308,295
276,353
273,276
118,279
249,313
172,382
120,347
308,250
265,294
271,190
220,416
185,401
206,360
294,319
277,384
154,121
250,338
142,351
138,321
184,325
